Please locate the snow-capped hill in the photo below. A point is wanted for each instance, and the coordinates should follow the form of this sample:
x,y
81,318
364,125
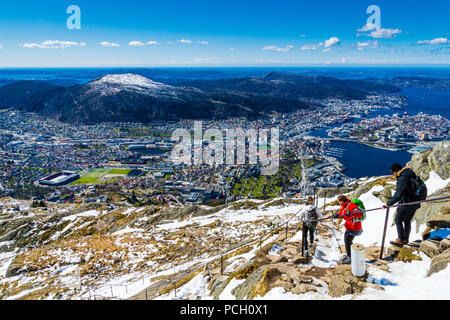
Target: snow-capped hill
x,y
113,83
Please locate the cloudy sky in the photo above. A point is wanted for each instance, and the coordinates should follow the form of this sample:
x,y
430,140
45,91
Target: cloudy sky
x,y
216,33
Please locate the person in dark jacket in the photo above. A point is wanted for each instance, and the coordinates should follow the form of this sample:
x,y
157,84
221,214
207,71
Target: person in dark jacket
x,y
404,193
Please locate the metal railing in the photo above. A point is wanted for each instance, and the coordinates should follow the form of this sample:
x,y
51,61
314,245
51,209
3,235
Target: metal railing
x,y
260,239
387,215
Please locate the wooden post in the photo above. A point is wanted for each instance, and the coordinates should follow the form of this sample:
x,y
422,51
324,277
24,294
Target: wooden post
x,y
146,295
384,233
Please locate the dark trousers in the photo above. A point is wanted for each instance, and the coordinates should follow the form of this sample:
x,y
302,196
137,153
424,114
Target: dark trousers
x,y
403,221
307,230
348,240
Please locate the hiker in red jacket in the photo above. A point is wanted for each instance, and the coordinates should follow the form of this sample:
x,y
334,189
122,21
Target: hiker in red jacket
x,y
352,215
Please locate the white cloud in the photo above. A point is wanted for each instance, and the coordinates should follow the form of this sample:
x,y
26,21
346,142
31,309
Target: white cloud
x,y
312,46
302,35
326,50
434,41
278,49
153,43
376,32
203,42
368,27
109,44
333,41
231,49
53,44
136,44
368,44
185,41
384,33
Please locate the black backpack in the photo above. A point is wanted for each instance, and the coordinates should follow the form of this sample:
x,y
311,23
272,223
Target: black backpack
x,y
312,215
419,189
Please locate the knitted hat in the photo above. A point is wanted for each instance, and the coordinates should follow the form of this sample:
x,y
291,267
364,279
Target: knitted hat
x,y
396,167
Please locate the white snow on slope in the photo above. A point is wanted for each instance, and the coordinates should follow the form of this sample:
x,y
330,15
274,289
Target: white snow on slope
x,y
435,182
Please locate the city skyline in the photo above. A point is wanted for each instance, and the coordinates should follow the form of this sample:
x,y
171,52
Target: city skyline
x,y
231,34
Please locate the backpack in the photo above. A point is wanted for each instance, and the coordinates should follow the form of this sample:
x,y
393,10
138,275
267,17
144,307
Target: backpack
x,y
311,214
419,188
360,205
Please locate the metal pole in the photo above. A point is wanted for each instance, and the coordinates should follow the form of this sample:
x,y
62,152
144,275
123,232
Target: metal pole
x,y
221,264
146,295
287,229
384,233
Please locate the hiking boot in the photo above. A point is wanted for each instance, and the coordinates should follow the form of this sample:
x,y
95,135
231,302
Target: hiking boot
x,y
345,260
399,242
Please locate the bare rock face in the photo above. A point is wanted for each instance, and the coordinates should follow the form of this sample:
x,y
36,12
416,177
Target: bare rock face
x,y
430,248
436,160
344,282
439,262
435,214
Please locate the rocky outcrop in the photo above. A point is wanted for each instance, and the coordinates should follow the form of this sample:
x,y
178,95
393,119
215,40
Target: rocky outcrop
x,y
439,262
436,213
430,248
436,160
344,283
290,277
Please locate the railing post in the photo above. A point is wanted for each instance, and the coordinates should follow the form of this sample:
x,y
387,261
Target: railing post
x,y
146,295
384,233
287,229
221,264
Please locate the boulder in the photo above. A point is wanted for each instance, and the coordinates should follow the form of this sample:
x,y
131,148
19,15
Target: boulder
x,y
299,259
276,258
14,267
440,221
444,245
303,288
218,285
338,287
439,262
436,213
430,248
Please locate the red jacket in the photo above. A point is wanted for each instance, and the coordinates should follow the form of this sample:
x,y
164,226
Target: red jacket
x,y
349,212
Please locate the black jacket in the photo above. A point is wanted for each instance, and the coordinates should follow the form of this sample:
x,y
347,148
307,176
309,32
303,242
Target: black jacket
x,y
404,192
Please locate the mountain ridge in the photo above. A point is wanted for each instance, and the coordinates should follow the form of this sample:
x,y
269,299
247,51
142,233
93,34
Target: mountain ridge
x,y
134,98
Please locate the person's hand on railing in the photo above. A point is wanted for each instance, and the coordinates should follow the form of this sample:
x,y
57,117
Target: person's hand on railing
x,y
385,206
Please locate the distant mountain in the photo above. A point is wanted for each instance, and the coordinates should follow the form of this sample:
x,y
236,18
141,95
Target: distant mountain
x,y
422,82
286,85
132,98
21,94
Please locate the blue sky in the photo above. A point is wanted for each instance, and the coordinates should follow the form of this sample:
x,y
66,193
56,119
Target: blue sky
x,y
215,33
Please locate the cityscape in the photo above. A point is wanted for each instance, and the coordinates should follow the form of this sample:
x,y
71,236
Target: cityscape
x,y
45,159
